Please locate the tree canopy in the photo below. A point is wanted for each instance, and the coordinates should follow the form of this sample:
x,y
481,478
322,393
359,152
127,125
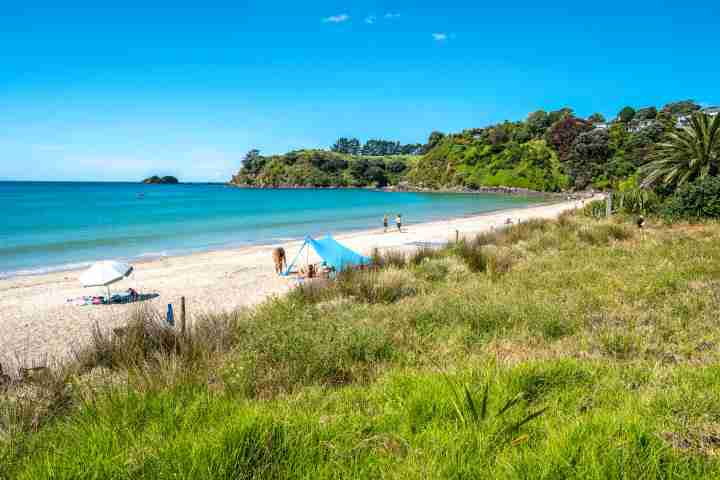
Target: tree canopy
x,y
548,151
686,154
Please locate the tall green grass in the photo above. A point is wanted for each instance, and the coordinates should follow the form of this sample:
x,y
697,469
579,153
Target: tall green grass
x,y
568,349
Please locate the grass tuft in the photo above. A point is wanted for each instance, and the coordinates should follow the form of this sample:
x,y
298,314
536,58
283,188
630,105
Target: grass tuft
x,y
569,349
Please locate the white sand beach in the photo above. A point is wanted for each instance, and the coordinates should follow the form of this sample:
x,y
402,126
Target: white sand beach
x,y
37,323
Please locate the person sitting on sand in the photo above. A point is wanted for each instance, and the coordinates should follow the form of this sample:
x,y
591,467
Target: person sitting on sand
x,y
398,222
385,223
312,271
325,270
308,271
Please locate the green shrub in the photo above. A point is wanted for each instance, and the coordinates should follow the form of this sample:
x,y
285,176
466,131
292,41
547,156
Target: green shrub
x,y
385,285
595,209
433,270
314,291
512,234
696,200
422,254
472,255
381,286
603,234
287,345
638,201
389,258
499,260
524,230
567,220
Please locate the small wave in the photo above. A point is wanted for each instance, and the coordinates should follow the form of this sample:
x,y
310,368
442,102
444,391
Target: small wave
x,y
43,270
147,255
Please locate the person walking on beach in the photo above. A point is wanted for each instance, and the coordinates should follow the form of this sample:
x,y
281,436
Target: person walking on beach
x,y
385,222
398,222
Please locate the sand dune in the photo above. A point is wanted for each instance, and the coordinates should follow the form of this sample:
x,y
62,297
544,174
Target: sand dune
x,y
37,324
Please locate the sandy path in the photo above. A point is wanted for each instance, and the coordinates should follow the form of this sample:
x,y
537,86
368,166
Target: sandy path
x,y
36,322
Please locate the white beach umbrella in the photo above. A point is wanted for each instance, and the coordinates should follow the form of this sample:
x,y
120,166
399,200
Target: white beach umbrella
x,y
105,273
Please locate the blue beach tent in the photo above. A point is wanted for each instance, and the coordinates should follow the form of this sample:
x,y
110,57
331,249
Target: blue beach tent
x,y
334,254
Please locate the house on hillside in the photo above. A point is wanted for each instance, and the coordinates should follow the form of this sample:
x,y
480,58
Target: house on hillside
x,y
637,125
684,120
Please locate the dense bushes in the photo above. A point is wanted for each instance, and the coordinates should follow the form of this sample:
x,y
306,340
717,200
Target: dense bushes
x,y
319,168
699,199
490,160
638,201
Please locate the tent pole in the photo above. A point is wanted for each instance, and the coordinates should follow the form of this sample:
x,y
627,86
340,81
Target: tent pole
x,y
297,257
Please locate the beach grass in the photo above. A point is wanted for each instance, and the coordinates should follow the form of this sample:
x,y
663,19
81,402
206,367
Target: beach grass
x,y
577,348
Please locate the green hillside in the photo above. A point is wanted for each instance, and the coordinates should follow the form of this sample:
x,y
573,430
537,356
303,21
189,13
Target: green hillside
x,y
547,151
321,168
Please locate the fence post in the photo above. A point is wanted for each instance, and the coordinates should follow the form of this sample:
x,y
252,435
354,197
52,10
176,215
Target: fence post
x,y
457,236
608,204
182,315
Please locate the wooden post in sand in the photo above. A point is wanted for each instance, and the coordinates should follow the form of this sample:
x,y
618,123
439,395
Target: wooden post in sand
x,y
182,315
608,204
457,236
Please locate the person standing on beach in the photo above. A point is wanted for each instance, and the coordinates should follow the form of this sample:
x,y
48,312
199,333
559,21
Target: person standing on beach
x,y
385,222
279,260
398,222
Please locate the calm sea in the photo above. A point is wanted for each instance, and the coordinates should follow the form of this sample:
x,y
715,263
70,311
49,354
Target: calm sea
x,y
54,226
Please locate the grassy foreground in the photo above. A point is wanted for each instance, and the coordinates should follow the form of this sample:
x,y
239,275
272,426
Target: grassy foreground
x,y
568,349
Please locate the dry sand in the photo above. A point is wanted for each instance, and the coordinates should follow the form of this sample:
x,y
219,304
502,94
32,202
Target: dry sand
x,y
37,323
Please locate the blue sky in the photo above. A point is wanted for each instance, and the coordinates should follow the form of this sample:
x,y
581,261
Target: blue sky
x,y
91,92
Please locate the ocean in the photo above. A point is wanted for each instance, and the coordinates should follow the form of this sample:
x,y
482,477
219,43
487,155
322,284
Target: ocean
x,y
49,226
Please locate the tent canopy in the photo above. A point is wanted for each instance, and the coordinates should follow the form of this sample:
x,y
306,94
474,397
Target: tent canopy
x,y
334,254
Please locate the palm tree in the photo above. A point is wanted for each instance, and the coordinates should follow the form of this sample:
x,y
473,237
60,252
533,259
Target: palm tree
x,y
686,154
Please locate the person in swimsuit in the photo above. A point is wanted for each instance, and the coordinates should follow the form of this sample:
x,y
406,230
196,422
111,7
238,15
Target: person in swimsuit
x,y
385,223
279,260
398,222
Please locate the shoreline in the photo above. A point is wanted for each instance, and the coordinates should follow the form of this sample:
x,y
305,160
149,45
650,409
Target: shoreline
x,y
499,190
34,271
38,323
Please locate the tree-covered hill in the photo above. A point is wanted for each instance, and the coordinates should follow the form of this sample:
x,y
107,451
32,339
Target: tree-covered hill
x,y
548,151
155,180
322,168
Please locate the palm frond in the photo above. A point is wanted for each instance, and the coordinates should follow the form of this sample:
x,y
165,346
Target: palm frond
x,y
685,154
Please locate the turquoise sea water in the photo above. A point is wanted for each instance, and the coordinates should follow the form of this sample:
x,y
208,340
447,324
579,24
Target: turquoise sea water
x,y
51,226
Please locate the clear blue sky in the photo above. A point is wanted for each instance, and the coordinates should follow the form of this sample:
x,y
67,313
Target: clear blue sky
x,y
90,92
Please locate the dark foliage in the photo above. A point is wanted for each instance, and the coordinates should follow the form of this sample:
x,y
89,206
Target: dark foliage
x,y
350,146
167,180
626,114
648,113
368,172
683,107
563,133
696,200
589,154
597,118
375,147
